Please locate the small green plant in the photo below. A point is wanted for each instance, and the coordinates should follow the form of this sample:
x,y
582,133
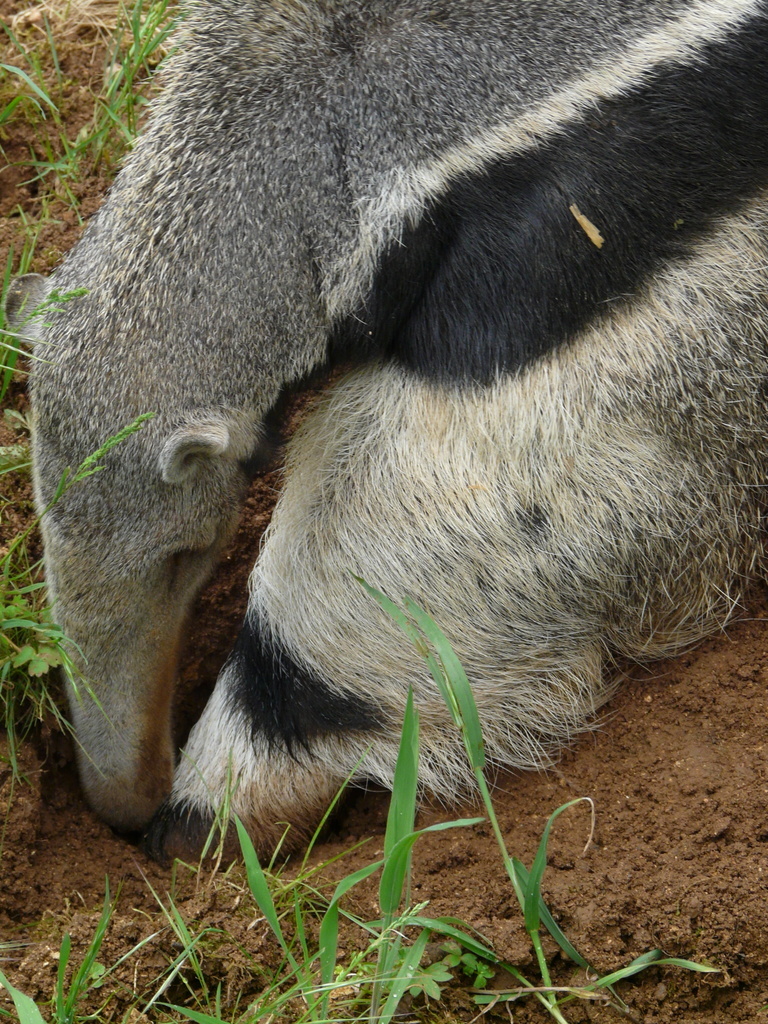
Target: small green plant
x,y
29,640
89,975
187,958
140,46
31,644
470,965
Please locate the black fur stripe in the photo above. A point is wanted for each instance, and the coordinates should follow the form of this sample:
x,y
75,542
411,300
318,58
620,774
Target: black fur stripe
x,y
283,701
499,272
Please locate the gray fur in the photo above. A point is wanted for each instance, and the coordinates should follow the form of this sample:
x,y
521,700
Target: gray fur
x,y
292,143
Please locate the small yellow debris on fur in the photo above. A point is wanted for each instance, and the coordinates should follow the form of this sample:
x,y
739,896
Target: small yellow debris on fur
x,y
589,228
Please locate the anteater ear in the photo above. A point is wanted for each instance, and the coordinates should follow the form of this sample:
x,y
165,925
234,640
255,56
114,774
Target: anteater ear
x,y
25,294
191,446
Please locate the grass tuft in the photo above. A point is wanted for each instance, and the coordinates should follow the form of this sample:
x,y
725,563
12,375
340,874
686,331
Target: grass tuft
x,y
69,17
35,90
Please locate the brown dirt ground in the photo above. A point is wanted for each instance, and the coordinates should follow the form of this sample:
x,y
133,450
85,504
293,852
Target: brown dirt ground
x,y
678,771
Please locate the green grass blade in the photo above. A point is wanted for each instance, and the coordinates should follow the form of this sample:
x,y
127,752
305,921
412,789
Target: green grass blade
x,y
329,928
549,922
395,867
195,1015
328,942
394,874
14,457
395,613
352,880
52,50
399,985
395,878
452,928
458,684
79,985
90,464
61,970
532,889
257,882
402,806
41,95
653,958
404,623
689,965
25,1006
8,110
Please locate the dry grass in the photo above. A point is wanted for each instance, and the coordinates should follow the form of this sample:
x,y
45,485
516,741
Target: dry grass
x,y
70,17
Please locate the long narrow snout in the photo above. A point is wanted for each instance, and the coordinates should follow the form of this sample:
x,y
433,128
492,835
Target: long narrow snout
x,y
122,720
126,629
121,592
124,743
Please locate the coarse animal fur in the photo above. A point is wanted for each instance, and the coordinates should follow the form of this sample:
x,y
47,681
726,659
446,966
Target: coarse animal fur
x,y
537,235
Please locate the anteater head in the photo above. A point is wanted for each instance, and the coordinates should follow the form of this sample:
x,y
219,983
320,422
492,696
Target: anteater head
x,y
131,534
